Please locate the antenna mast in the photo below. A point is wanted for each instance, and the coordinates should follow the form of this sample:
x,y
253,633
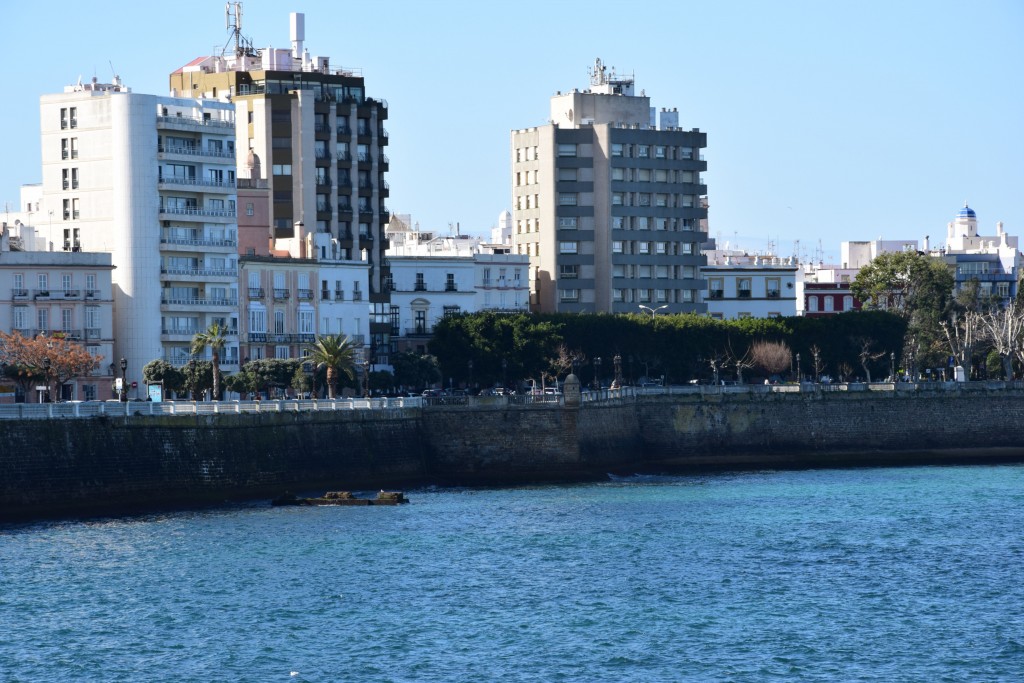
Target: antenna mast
x,y
233,23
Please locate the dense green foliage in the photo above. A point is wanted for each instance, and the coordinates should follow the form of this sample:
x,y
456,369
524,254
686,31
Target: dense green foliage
x,y
678,347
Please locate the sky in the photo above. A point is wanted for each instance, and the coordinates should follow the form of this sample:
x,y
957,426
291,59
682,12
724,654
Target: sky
x,y
826,121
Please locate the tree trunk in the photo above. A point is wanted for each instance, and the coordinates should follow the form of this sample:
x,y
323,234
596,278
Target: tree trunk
x,y
216,376
331,382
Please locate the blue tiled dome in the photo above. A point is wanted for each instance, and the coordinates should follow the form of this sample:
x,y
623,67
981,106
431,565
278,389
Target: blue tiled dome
x,y
966,212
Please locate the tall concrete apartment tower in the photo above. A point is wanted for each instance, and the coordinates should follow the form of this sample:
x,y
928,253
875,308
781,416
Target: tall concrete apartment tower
x,y
313,136
150,179
607,203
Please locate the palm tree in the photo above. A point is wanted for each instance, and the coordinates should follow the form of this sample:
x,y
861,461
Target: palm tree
x,y
336,354
215,337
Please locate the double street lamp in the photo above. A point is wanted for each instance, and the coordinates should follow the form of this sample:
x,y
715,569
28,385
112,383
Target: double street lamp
x,y
653,311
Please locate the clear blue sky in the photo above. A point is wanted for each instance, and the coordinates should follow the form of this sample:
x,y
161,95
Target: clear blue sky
x,y
826,120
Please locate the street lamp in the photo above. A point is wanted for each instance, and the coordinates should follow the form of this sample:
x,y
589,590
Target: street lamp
x,y
124,387
817,364
597,373
617,362
652,311
798,368
504,373
366,378
46,372
892,366
192,376
470,386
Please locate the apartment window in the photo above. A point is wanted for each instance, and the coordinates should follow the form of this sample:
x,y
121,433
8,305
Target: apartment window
x,y
659,152
20,317
568,272
660,248
643,247
688,248
568,247
716,316
568,174
278,322
688,295
44,282
617,247
716,288
643,198
686,153
250,209
567,222
660,296
306,321
641,222
63,118
616,149
772,288
618,198
449,283
742,316
420,285
282,352
566,150
848,300
743,287
829,304
569,295
643,151
66,319
65,149
661,199
43,319
567,199
643,296
618,295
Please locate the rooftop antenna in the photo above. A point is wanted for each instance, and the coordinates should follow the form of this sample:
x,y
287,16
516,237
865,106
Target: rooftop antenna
x,y
233,23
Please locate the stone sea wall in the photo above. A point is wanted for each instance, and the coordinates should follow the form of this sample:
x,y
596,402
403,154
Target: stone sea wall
x,y
61,466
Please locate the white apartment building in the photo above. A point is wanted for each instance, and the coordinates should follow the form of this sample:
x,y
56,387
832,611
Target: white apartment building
x,y
742,285
439,276
66,295
151,180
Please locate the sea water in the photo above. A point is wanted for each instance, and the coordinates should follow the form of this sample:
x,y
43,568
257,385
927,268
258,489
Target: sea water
x,y
904,574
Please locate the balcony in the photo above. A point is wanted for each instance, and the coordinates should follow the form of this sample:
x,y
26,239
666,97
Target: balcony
x,y
345,130
305,295
281,294
192,123
716,293
199,242
344,155
773,294
93,333
40,294
256,293
325,295
194,151
19,293
357,339
365,157
92,294
357,296
197,301
419,287
196,182
339,295
180,331
199,272
198,212
419,331
743,294
451,287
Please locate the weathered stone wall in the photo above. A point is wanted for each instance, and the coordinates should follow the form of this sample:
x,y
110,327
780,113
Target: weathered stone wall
x,y
821,427
58,466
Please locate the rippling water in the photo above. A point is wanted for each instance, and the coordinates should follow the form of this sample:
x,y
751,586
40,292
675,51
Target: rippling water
x,y
881,575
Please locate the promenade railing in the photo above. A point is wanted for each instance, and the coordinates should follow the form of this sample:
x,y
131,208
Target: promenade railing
x,y
91,409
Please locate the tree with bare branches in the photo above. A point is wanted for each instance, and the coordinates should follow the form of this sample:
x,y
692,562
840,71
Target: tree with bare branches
x,y
772,357
1005,329
867,356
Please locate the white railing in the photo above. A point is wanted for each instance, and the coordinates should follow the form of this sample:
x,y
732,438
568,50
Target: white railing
x,y
87,409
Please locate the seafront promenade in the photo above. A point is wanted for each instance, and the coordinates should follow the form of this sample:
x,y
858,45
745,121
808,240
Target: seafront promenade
x,y
91,409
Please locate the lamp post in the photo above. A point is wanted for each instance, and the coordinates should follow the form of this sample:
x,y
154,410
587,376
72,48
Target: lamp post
x,y
366,378
597,373
817,364
798,368
469,364
653,311
192,376
617,363
892,366
46,373
504,373
124,387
